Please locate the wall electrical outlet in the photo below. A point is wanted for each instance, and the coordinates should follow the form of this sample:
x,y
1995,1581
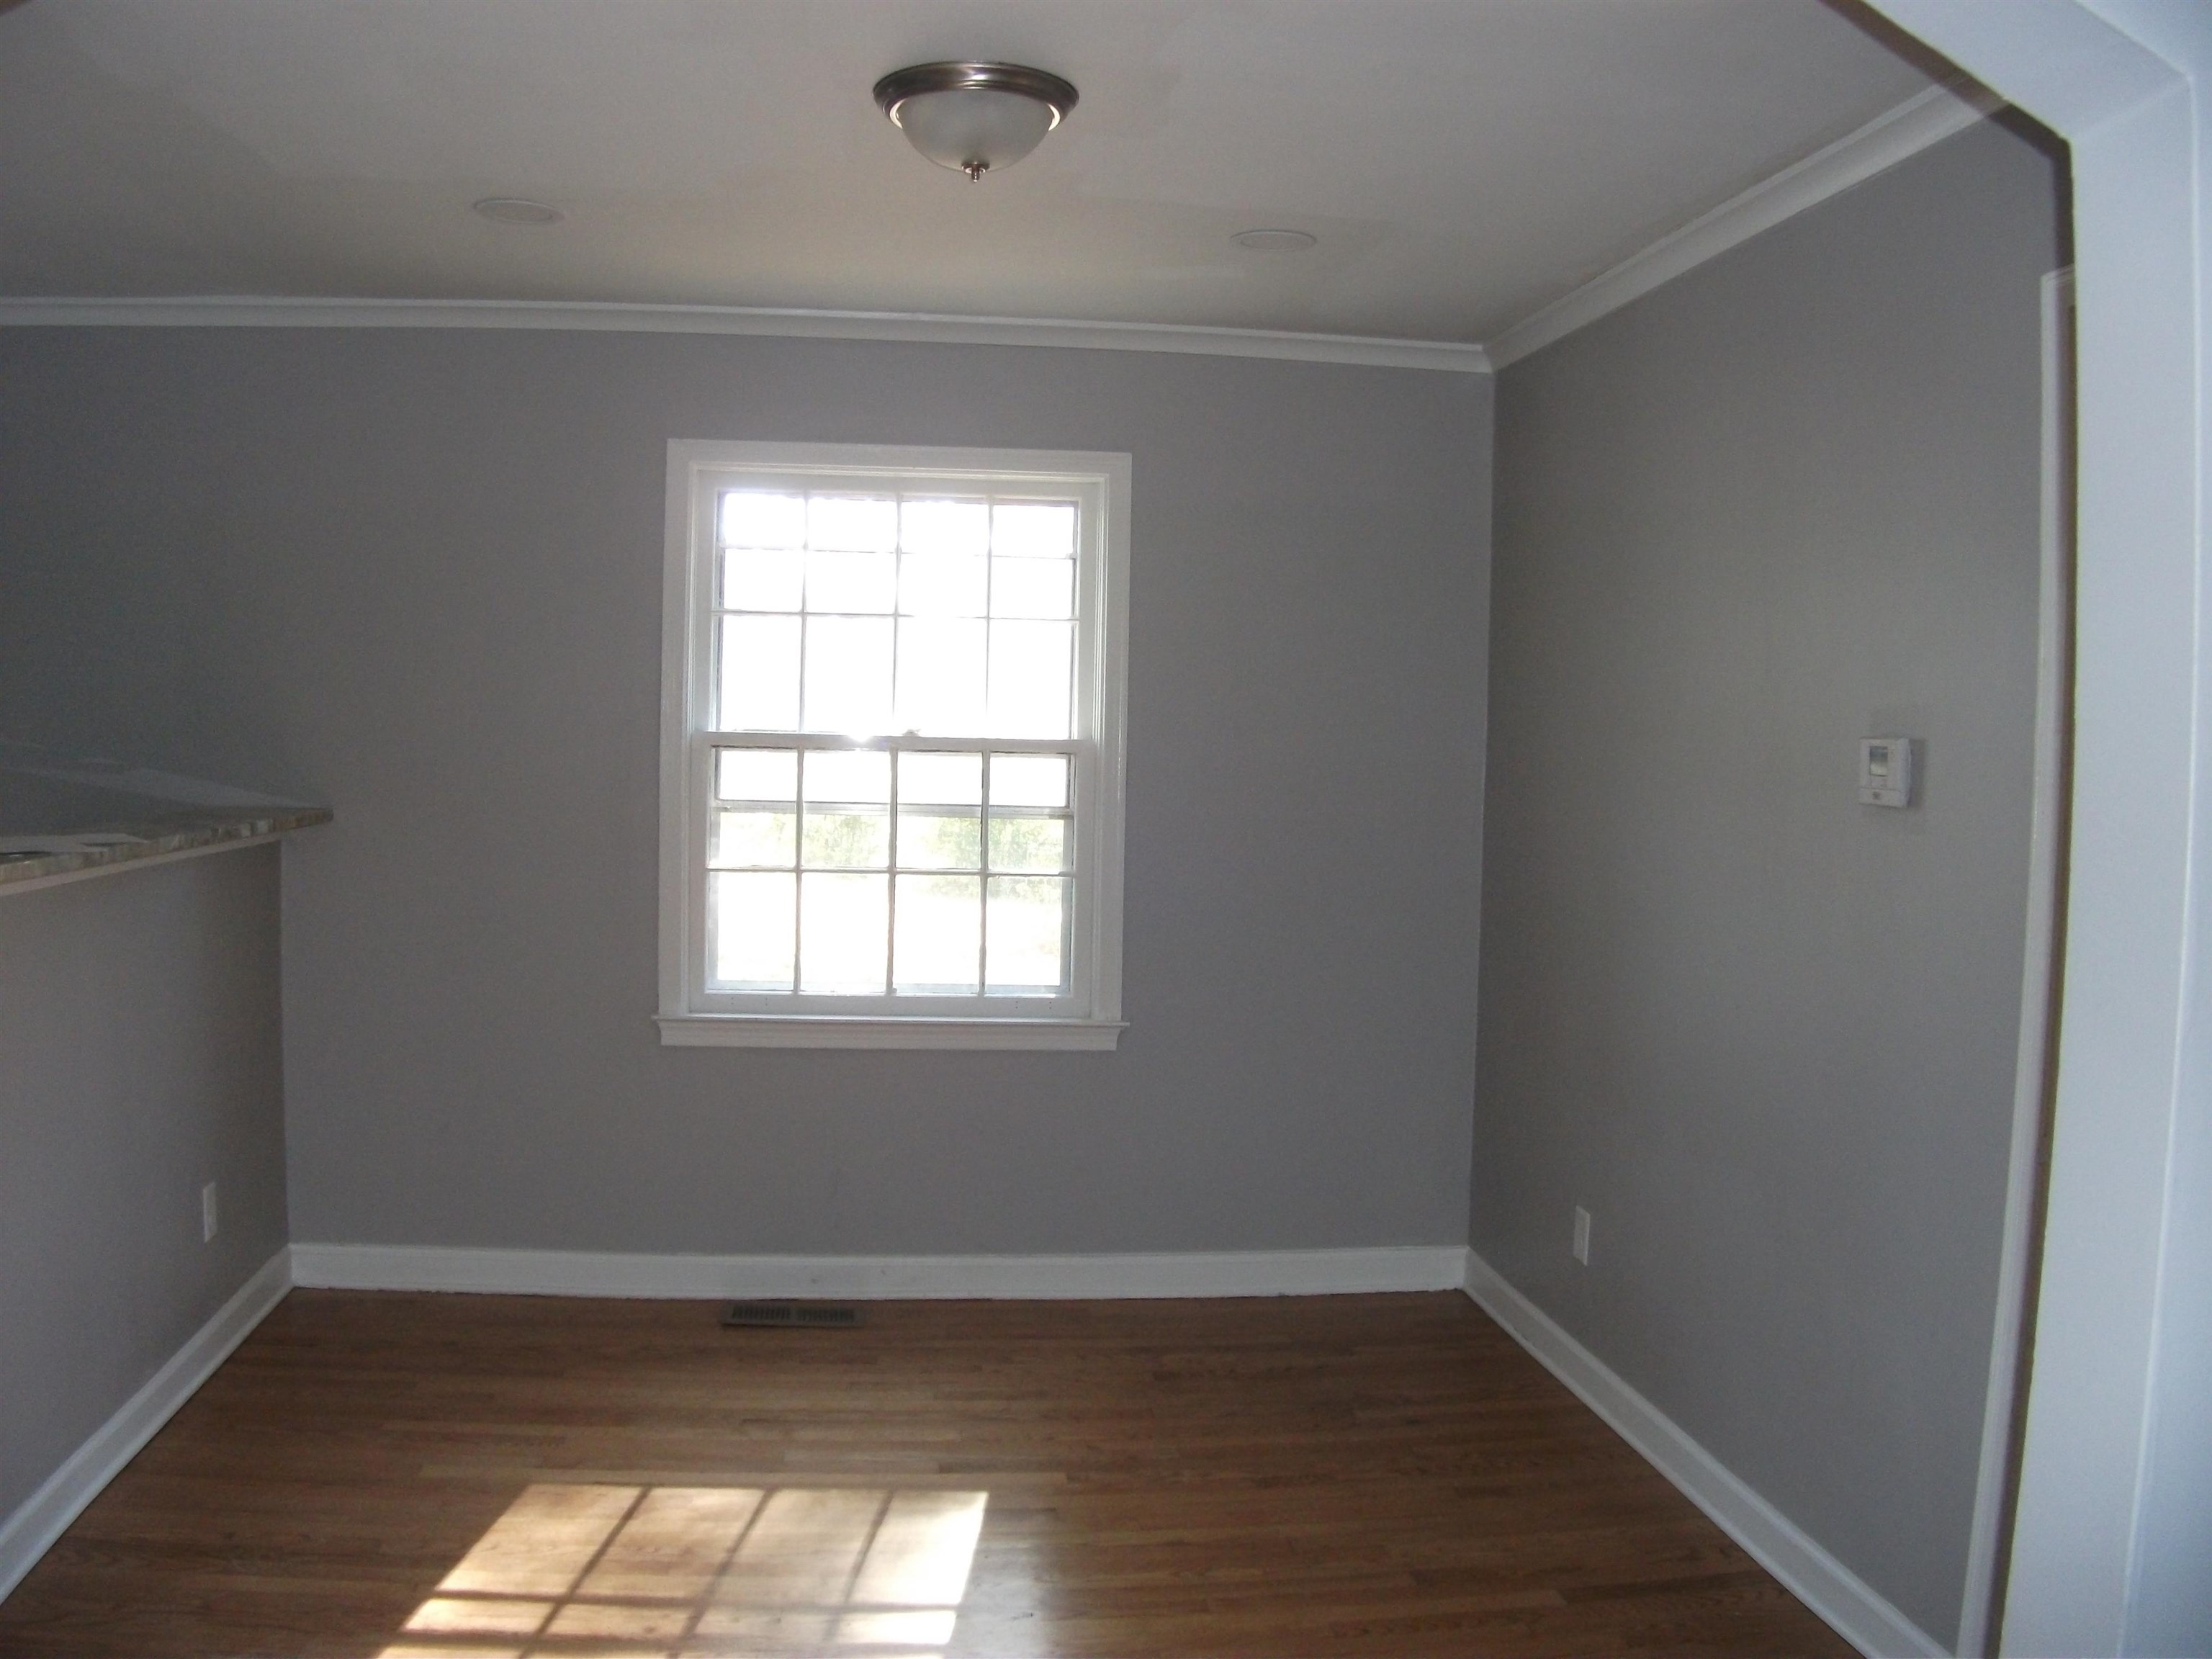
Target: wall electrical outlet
x,y
1581,1234
207,1213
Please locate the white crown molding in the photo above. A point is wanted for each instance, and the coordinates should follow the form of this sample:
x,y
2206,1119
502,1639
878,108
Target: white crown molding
x,y
45,1515
1859,1613
249,311
1926,119
863,1278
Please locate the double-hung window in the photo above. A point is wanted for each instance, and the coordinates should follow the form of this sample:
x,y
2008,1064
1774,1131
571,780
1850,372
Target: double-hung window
x,y
891,749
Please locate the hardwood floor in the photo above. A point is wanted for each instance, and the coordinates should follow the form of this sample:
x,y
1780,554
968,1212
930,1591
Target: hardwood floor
x,y
425,1475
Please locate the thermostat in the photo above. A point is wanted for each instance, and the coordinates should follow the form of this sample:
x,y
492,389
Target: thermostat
x,y
1886,771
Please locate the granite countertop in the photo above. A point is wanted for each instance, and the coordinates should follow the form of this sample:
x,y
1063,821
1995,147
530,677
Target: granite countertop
x,y
35,857
64,815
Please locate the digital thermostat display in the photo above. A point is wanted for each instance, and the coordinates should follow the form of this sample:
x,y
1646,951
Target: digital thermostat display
x,y
1886,771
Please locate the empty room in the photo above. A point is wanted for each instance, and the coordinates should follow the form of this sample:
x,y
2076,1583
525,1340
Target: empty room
x,y
1079,829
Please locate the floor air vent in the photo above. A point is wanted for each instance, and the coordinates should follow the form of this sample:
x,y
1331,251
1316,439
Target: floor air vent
x,y
792,1315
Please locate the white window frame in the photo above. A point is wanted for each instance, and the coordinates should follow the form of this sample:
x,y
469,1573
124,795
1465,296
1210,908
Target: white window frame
x,y
1089,1017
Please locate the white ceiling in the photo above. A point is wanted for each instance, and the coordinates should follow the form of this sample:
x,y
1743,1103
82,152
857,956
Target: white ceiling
x,y
1462,161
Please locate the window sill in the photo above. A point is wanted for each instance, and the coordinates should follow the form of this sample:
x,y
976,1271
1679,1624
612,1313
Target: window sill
x,y
838,1031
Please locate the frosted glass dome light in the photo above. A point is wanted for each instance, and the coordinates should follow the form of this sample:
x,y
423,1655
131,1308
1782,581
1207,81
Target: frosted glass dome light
x,y
973,117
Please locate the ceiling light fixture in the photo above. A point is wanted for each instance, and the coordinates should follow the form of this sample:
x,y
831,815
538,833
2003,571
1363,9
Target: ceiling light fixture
x,y
517,210
1273,241
973,117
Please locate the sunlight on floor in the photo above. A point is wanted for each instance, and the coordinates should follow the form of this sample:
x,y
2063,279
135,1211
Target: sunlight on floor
x,y
589,1572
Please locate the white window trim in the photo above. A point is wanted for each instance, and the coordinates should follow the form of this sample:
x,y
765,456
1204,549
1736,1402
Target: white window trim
x,y
1095,1022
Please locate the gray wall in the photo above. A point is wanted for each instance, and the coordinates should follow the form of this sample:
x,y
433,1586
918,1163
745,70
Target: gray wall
x,y
1764,1034
417,575
32,805
139,1057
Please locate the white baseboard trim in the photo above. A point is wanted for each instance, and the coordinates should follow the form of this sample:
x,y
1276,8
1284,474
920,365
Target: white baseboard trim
x,y
1860,1614
864,1278
1857,1611
30,1532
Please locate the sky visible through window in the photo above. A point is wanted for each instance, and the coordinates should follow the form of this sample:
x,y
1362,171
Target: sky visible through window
x,y
870,615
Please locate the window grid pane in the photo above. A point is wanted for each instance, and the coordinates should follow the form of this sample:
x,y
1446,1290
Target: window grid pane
x,y
870,614
937,947
1025,935
959,863
940,870
750,919
844,933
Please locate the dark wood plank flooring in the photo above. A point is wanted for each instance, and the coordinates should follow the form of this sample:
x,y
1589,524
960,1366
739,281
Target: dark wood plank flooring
x,y
427,1477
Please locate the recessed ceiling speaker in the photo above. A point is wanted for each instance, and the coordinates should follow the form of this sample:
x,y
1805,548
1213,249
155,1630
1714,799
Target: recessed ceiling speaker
x,y
517,210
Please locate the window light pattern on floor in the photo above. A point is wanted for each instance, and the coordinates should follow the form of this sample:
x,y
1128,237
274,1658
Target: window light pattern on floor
x,y
594,1571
